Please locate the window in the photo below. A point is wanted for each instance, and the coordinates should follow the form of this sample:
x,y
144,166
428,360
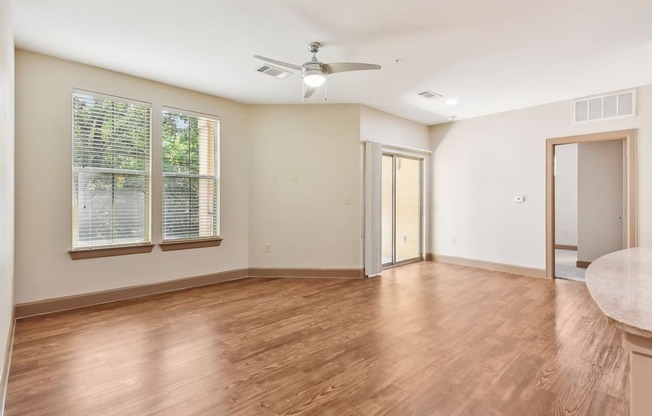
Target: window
x,y
190,175
111,171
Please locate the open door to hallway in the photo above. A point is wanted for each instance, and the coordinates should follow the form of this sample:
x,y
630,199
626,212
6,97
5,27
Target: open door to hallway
x,y
591,200
589,204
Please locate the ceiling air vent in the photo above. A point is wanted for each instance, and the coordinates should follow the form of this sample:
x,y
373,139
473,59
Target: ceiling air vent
x,y
430,95
274,71
620,104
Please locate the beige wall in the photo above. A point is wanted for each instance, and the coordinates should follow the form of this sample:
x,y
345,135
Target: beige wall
x,y
386,128
43,187
305,167
6,177
481,164
600,199
566,194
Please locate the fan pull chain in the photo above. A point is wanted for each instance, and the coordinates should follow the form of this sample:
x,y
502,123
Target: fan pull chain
x,y
326,90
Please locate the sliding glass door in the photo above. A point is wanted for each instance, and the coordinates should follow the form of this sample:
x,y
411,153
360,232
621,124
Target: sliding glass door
x,y
401,209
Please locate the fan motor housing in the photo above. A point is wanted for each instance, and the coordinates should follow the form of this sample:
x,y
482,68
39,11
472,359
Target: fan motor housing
x,y
312,68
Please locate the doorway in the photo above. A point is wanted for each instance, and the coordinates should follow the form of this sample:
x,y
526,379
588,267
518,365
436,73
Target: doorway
x,y
609,227
401,210
589,204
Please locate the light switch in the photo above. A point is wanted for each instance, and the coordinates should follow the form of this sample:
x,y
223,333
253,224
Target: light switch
x,y
268,247
274,177
294,177
347,199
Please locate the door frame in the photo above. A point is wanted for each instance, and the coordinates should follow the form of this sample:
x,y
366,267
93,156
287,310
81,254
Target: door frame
x,y
631,227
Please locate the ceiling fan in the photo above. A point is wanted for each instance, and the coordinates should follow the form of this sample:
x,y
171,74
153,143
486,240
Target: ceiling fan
x,y
314,72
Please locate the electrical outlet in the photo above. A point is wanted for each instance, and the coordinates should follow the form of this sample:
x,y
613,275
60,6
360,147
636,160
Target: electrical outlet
x,y
268,247
347,200
453,239
274,177
294,177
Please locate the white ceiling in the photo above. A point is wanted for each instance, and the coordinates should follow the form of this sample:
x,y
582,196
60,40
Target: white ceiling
x,y
491,55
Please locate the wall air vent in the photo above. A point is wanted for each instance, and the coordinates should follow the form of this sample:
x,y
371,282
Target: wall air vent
x,y
600,107
431,95
274,71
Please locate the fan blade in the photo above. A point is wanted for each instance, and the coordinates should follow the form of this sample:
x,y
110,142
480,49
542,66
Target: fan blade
x,y
279,63
309,91
336,67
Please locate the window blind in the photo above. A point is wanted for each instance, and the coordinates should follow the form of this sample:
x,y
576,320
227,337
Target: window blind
x,y
190,175
111,170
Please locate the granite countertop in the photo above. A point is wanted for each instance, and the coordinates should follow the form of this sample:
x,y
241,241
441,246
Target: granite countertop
x,y
621,285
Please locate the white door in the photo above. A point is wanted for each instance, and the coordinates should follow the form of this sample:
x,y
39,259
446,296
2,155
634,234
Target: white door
x,y
601,199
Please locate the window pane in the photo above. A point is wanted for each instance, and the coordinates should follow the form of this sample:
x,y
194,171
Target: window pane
x,y
188,208
111,150
94,209
180,143
109,134
190,176
129,208
111,209
178,200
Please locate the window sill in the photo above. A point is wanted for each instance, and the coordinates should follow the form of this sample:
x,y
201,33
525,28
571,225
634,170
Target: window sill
x,y
108,251
188,244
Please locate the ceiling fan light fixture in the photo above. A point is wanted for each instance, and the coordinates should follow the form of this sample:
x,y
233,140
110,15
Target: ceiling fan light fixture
x,y
313,78
314,72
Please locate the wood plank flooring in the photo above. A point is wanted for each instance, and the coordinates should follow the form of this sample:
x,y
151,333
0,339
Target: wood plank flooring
x,y
423,339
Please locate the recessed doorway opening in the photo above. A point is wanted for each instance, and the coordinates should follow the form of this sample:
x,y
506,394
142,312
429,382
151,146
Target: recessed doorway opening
x,y
606,201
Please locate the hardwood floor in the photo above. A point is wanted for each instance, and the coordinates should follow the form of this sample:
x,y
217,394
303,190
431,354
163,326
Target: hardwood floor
x,y
424,339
